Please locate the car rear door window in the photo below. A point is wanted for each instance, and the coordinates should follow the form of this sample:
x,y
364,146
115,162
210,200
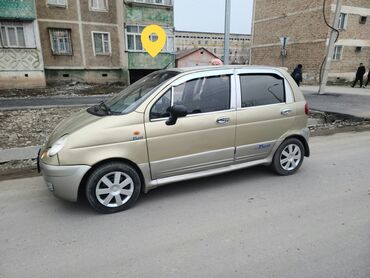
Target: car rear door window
x,y
261,89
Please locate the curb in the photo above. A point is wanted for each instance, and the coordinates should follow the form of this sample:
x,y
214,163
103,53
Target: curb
x,y
18,153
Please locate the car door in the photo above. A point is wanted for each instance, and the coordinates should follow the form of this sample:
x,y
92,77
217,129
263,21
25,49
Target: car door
x,y
202,140
265,112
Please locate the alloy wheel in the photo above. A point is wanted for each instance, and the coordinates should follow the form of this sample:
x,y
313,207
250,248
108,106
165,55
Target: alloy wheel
x,y
114,189
290,157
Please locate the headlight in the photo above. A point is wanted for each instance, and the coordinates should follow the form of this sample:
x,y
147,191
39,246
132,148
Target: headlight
x,y
57,146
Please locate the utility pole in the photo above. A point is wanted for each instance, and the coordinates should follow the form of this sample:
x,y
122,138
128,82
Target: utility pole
x,y
227,32
330,50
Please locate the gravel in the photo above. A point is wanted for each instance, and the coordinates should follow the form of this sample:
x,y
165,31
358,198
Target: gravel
x,y
30,127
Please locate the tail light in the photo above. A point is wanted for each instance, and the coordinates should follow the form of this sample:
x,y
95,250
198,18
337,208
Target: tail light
x,y
306,108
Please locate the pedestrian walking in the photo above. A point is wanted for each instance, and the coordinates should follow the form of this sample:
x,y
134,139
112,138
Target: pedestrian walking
x,y
297,74
359,75
368,77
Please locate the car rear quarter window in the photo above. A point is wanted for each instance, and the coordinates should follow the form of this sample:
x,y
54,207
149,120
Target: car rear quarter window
x,y
261,89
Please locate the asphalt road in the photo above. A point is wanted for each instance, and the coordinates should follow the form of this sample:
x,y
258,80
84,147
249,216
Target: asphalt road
x,y
354,105
48,102
249,223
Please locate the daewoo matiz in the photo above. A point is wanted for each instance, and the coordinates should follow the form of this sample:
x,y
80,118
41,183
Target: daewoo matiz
x,y
175,125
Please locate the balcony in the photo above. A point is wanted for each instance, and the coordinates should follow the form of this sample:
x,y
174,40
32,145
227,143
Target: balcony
x,y
17,9
159,3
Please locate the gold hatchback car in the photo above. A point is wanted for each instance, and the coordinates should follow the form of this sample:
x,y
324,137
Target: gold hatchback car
x,y
174,125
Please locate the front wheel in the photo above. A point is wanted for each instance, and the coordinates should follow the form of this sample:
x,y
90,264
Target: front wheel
x,y
288,157
113,187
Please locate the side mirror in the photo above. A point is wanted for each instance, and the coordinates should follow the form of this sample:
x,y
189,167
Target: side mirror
x,y
176,111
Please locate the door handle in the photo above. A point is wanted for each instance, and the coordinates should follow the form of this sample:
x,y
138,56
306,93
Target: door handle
x,y
223,120
286,112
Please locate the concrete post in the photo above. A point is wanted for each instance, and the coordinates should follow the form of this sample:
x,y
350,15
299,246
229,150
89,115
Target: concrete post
x,y
227,32
252,32
330,49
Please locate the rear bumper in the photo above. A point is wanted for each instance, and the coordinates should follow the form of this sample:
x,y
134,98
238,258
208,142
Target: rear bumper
x,y
63,181
306,135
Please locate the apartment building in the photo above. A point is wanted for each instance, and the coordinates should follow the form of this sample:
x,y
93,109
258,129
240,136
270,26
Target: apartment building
x,y
214,42
94,41
21,62
138,14
303,23
82,40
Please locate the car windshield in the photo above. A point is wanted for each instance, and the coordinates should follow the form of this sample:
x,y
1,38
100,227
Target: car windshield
x,y
131,97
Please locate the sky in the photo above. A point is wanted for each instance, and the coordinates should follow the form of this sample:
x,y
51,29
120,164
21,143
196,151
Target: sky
x,y
209,15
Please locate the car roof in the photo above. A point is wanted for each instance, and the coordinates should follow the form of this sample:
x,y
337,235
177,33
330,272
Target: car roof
x,y
208,68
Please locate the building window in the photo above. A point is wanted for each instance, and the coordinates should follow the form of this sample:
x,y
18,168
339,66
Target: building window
x,y
99,5
61,3
101,41
133,39
133,35
338,51
154,2
61,43
342,24
12,35
363,19
170,43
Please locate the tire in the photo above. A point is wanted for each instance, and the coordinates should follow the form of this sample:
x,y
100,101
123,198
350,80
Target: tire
x,y
288,157
113,187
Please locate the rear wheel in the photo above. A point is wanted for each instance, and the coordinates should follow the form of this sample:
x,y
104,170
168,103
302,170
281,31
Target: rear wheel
x,y
113,187
288,157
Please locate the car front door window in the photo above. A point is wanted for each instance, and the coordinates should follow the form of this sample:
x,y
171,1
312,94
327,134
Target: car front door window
x,y
203,95
161,109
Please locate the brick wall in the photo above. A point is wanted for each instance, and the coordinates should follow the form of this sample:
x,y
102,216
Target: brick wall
x,y
310,55
355,30
357,3
302,21
299,27
275,8
351,59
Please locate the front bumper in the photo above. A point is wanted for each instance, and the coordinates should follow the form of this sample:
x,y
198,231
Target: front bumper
x,y
63,181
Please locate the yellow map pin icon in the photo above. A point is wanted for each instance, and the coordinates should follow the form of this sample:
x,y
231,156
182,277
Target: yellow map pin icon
x,y
153,47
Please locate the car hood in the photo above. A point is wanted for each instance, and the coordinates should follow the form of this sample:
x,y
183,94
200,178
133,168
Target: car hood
x,y
72,124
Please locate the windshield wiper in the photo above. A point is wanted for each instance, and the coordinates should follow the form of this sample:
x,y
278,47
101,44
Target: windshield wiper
x,y
104,107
